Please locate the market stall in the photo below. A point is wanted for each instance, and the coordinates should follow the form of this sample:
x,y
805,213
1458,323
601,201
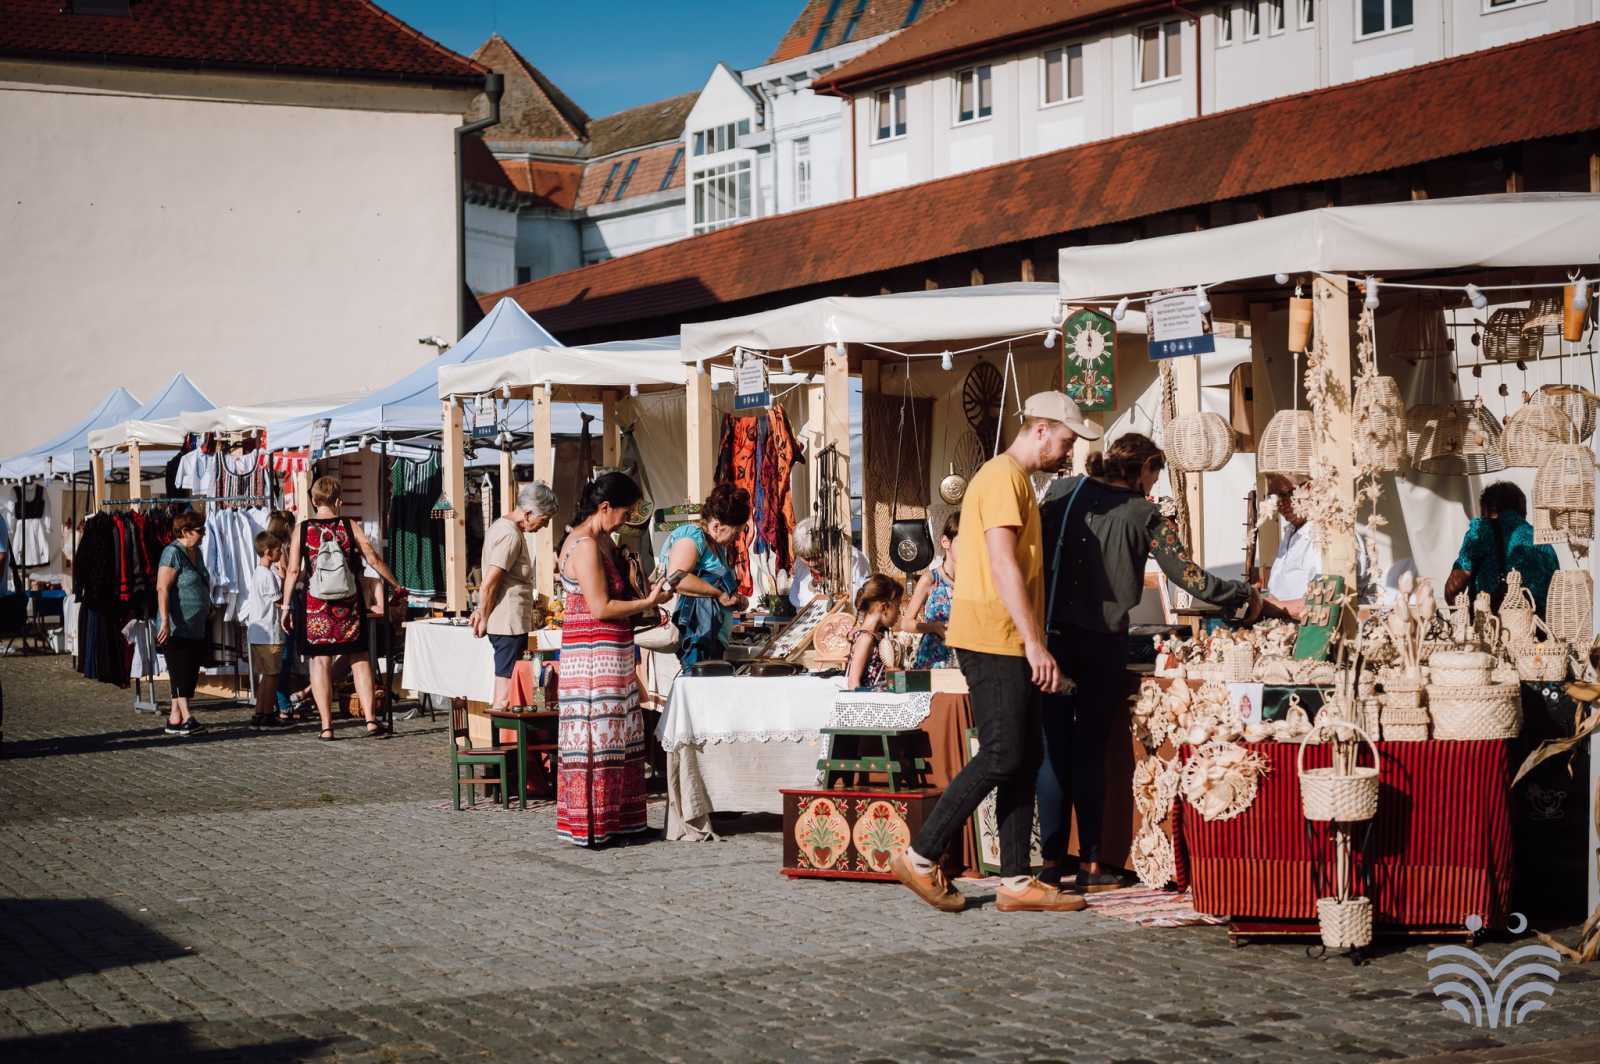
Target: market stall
x,y
1436,683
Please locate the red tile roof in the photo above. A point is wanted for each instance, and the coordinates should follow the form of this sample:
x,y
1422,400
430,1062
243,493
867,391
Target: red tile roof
x,y
650,166
551,184
532,108
1412,116
877,16
648,123
328,38
974,27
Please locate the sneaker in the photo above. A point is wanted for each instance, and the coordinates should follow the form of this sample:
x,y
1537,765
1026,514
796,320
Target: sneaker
x,y
1095,882
175,729
930,886
1037,897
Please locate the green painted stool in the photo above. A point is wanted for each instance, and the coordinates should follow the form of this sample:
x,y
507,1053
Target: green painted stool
x,y
893,760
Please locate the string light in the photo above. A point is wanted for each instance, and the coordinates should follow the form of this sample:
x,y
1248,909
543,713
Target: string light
x,y
633,391
788,367
714,384
505,391
946,363
1580,295
699,365
1371,302
1050,338
1202,304
1479,300
549,390
1120,311
1281,278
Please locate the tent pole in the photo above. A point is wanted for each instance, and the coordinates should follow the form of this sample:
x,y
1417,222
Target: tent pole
x,y
98,462
698,416
455,522
1186,378
872,385
610,449
1262,407
544,468
135,472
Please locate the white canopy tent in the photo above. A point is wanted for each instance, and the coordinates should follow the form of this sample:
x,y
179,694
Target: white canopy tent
x,y
56,455
246,417
167,433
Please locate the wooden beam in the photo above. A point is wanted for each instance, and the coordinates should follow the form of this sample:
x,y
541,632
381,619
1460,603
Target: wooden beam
x,y
1263,405
135,472
302,493
871,384
544,468
836,410
455,522
97,463
1026,270
1331,309
508,480
1594,186
1186,377
975,277
699,428
611,438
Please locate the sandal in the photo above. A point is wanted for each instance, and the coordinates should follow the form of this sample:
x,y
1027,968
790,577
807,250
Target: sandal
x,y
376,729
326,735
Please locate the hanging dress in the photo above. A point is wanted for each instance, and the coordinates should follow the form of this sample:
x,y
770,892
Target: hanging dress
x,y
30,535
330,627
932,653
600,782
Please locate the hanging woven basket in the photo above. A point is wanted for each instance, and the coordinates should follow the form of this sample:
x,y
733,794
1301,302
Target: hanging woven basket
x,y
1544,316
1578,404
1504,339
1531,432
1569,607
1287,445
1565,480
1457,439
1328,794
1198,443
1380,424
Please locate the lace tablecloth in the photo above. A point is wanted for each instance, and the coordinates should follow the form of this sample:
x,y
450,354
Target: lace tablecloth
x,y
880,709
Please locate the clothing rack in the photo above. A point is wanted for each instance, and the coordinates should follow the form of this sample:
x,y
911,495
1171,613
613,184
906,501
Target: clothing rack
x,y
167,500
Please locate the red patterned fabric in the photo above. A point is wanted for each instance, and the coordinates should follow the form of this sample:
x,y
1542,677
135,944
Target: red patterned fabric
x,y
1439,851
331,627
600,782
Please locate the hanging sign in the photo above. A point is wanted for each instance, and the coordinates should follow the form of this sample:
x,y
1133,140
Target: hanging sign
x,y
751,391
1089,360
319,436
1175,327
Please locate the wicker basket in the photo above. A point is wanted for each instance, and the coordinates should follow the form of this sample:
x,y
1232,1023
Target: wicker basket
x,y
1565,480
1455,439
1532,431
1456,668
1517,611
1405,733
1541,662
1198,443
1505,340
1577,403
1486,712
1327,794
1346,923
1569,607
1544,316
1380,424
1287,444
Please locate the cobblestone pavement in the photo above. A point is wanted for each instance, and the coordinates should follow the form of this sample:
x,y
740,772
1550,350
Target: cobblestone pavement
x,y
270,897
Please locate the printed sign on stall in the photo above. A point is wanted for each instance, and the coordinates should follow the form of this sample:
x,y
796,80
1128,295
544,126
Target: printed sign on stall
x,y
751,391
1175,326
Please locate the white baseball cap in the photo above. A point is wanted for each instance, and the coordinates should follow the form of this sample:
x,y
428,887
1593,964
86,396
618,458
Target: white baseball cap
x,y
1058,406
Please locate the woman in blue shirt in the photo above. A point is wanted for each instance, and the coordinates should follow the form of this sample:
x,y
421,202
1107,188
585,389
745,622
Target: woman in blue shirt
x,y
1496,543
708,591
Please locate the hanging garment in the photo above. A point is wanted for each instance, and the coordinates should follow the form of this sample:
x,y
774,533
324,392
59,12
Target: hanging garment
x,y
415,547
758,452
30,534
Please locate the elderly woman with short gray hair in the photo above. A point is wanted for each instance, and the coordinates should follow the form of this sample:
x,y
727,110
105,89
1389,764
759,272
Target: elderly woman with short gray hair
x,y
505,600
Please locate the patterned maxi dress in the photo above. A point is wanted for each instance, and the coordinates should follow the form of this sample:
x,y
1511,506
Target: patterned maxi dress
x,y
600,783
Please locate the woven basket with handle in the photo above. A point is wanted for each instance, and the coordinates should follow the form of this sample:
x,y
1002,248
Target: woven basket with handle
x,y
1287,445
1541,662
1198,443
1532,431
1331,794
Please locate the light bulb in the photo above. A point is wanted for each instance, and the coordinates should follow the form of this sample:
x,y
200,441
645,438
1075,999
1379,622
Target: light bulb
x,y
1580,295
1058,315
549,390
1281,278
505,391
788,367
1050,338
699,365
1371,302
946,362
1120,311
633,391
714,384
1202,304
1479,300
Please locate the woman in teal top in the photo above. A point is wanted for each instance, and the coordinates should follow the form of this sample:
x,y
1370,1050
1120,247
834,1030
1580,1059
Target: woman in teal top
x,y
183,599
1496,543
708,589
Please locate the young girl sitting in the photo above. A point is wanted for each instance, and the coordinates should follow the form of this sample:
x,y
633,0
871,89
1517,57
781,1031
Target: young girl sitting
x,y
930,603
877,610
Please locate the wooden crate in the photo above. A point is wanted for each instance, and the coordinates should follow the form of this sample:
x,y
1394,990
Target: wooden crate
x,y
850,834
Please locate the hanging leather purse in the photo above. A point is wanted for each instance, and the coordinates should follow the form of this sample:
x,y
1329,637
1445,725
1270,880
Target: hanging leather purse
x,y
910,540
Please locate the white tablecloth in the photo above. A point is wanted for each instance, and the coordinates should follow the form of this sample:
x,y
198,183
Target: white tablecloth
x,y
732,742
445,659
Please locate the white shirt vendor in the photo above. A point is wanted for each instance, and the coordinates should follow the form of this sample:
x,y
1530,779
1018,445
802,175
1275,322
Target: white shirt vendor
x,y
802,588
1299,559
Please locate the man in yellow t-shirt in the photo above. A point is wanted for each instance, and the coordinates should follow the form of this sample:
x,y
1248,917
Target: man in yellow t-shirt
x,y
996,622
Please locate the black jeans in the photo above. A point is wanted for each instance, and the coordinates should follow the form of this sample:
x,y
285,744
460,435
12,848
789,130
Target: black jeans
x,y
1073,771
1005,707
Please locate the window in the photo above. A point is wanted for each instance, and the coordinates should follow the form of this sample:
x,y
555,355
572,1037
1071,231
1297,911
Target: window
x,y
605,189
627,175
1274,16
855,17
721,196
1384,16
1500,5
974,95
1063,74
825,25
891,110
1160,54
802,171
524,274
1308,14
672,169
720,138
1252,19
1224,25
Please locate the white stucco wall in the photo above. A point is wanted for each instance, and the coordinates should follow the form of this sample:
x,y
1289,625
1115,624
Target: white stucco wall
x,y
271,238
491,248
548,241
642,222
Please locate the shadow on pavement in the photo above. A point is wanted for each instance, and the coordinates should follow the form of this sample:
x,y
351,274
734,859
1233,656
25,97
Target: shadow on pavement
x,y
159,1041
45,939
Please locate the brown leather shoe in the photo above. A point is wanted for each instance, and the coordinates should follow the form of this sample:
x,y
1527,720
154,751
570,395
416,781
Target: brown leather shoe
x,y
931,887
1037,897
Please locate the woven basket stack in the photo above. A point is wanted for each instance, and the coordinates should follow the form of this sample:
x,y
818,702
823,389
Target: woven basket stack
x,y
1198,443
1402,713
1465,703
1340,795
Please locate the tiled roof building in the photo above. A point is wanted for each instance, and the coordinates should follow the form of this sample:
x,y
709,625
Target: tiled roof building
x,y
824,24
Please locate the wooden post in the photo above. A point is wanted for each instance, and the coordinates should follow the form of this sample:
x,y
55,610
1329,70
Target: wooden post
x,y
1263,406
508,480
1186,378
135,472
302,492
1026,270
871,385
1331,307
544,468
611,440
836,412
455,522
698,429
97,463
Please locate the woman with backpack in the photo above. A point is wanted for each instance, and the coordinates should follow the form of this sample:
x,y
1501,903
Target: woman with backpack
x,y
330,550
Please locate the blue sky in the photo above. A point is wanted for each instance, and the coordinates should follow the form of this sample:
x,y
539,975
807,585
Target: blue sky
x,y
612,55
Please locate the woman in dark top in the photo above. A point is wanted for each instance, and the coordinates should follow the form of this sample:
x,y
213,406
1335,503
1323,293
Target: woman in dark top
x,y
1496,543
1099,531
